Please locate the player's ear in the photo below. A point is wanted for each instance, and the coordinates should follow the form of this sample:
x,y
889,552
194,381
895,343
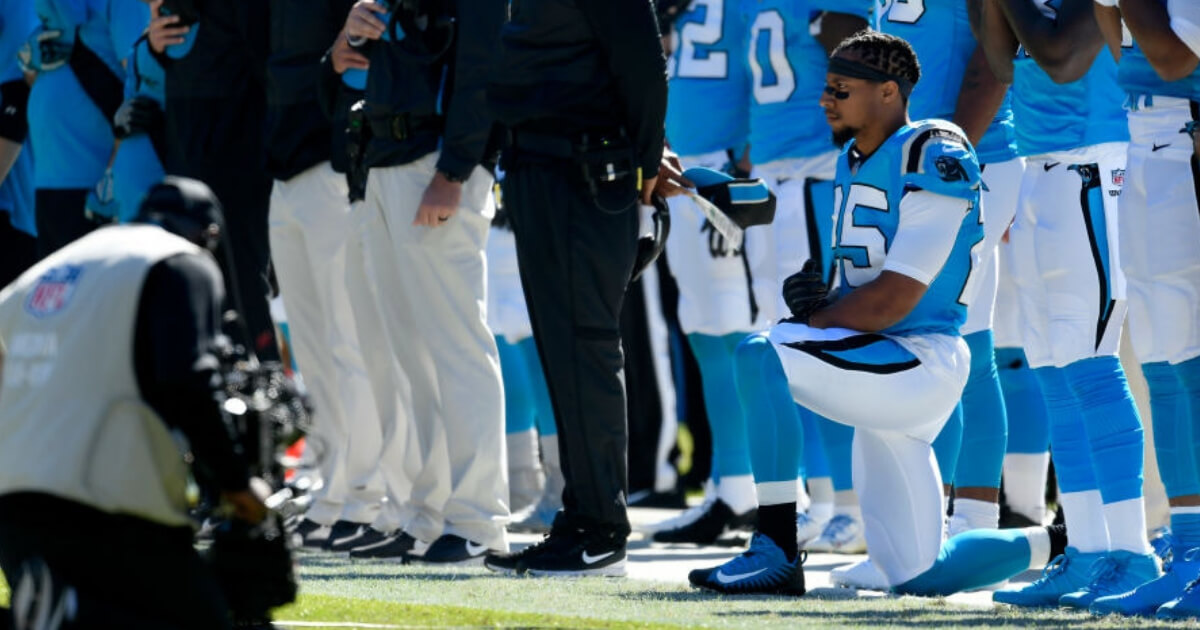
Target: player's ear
x,y
889,91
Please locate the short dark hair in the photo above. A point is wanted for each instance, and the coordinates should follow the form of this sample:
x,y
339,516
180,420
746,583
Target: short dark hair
x,y
883,52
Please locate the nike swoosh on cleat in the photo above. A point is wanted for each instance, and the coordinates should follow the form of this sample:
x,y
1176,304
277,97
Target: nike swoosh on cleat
x,y
474,549
1156,147
728,579
590,559
1050,165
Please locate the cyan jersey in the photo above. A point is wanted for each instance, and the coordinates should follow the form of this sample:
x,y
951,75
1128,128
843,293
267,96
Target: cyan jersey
x,y
787,74
709,107
931,155
17,21
1137,77
940,33
71,137
1065,116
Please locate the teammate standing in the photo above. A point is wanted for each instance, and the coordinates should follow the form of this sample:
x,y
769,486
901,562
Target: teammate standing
x,y
1066,264
1160,230
18,234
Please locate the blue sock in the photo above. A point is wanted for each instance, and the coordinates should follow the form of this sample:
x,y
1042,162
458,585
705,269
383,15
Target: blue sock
x,y
985,423
518,399
543,410
1173,446
1189,374
1114,429
1068,439
839,442
948,445
731,451
814,463
973,559
1028,420
772,425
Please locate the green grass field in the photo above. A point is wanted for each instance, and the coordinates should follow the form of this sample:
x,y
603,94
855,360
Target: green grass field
x,y
337,593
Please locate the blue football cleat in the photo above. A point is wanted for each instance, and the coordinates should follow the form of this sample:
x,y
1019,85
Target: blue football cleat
x,y
763,568
1067,573
1146,599
1117,572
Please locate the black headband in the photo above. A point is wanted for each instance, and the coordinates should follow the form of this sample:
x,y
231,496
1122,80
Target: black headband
x,y
859,70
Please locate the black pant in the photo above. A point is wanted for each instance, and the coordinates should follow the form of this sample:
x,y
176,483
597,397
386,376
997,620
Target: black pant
x,y
18,250
575,263
127,572
220,142
60,218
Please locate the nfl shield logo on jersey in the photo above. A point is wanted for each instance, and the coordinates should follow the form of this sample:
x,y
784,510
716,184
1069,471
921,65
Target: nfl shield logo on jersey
x,y
1118,177
53,291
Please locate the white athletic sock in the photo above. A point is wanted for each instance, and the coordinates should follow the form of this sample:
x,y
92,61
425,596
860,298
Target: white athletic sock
x,y
802,498
738,493
821,489
843,500
776,493
1087,532
1039,546
974,514
945,505
1126,522
1025,484
820,512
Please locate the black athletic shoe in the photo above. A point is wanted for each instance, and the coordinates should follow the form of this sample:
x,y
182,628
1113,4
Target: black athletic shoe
x,y
565,551
310,534
365,537
343,530
708,526
1012,519
451,549
399,547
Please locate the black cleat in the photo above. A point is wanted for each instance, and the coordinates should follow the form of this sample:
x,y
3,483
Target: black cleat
x,y
451,549
565,551
365,537
341,531
708,526
310,534
399,547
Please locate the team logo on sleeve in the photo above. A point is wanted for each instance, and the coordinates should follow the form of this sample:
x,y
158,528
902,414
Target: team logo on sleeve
x,y
53,291
950,169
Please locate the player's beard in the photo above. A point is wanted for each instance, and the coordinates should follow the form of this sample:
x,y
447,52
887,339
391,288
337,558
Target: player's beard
x,y
842,136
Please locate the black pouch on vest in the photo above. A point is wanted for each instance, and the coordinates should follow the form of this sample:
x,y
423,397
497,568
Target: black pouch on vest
x,y
608,172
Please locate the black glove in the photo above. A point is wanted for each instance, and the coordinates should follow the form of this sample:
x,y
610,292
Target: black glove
x,y
253,564
140,114
805,291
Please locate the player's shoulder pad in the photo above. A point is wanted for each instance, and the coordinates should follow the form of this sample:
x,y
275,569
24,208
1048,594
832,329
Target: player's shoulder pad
x,y
938,157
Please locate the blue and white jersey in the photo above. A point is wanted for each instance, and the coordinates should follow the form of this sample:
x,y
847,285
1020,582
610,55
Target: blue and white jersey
x,y
709,107
1138,78
940,33
874,233
145,75
17,22
787,73
1061,117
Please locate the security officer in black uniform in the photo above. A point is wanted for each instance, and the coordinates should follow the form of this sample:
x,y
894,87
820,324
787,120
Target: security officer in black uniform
x,y
581,85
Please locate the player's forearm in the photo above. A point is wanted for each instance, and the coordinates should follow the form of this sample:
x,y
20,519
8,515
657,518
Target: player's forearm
x,y
1064,46
1150,24
9,151
979,98
1109,21
997,39
872,307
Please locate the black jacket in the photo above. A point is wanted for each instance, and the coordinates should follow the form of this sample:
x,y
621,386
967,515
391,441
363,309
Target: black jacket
x,y
445,95
577,65
297,132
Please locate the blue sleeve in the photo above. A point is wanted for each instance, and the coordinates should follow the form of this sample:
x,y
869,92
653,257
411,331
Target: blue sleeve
x,y
127,20
62,14
941,161
17,22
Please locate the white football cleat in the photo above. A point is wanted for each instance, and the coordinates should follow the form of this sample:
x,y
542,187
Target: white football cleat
x,y
807,528
842,534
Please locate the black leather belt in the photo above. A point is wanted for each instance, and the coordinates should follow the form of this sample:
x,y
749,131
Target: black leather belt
x,y
401,127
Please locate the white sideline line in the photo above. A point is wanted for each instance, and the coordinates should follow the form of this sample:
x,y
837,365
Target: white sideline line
x,y
336,624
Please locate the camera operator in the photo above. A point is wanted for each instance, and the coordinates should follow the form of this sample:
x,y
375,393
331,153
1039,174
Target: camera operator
x,y
106,354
